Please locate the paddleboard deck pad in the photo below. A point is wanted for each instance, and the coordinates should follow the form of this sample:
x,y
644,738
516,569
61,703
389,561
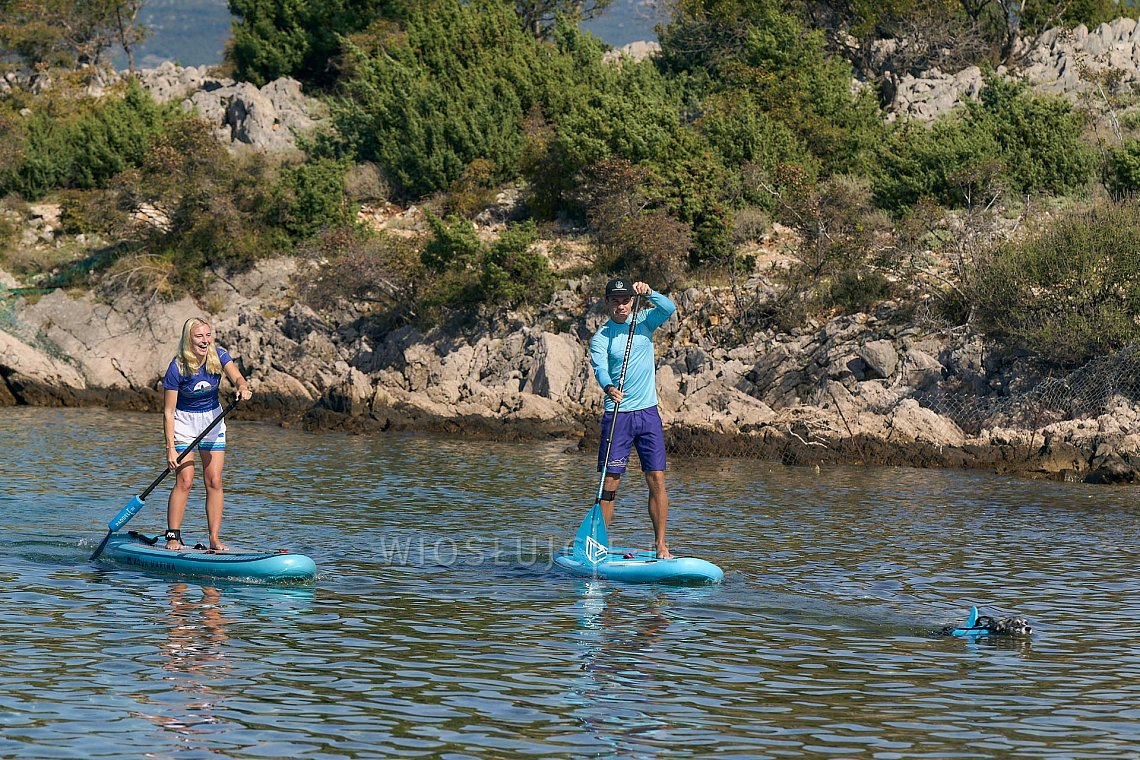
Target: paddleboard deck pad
x,y
640,566
137,550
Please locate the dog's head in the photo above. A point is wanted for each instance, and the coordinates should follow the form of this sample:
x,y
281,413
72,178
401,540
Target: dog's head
x,y
1011,626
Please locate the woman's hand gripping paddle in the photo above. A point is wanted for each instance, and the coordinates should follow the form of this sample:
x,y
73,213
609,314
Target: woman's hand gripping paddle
x,y
137,503
591,542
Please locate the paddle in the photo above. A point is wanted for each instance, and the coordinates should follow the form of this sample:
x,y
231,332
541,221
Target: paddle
x,y
591,542
137,503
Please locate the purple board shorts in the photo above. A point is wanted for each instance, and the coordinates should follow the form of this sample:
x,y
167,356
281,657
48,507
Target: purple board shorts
x,y
641,428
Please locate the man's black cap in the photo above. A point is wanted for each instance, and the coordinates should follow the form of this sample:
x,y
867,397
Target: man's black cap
x,y
619,288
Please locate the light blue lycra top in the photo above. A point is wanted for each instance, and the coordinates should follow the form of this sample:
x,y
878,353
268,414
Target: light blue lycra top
x,y
607,349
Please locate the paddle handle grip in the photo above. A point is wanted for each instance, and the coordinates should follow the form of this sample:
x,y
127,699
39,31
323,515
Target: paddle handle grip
x,y
126,513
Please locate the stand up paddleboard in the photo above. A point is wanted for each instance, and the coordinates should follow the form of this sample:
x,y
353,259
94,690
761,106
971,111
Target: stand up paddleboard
x,y
641,566
137,550
590,557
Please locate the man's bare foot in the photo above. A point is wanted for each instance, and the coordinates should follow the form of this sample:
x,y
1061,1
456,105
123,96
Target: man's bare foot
x,y
218,546
174,545
663,552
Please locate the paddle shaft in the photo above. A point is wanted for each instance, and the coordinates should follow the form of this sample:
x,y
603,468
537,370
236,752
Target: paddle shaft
x,y
126,513
620,387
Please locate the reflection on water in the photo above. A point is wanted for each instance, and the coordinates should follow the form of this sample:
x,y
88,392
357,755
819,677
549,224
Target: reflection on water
x,y
436,626
195,658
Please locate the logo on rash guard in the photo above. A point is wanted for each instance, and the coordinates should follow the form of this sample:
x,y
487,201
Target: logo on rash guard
x,y
202,387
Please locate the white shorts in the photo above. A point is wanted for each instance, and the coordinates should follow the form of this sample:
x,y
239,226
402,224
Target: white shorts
x,y
189,425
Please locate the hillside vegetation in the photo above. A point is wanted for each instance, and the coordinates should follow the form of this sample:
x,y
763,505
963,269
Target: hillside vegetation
x,y
1014,214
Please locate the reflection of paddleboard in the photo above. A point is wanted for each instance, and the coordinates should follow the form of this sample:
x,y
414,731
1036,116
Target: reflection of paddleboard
x,y
639,566
137,550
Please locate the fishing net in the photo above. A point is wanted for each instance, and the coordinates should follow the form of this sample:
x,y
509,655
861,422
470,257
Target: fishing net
x,y
1086,392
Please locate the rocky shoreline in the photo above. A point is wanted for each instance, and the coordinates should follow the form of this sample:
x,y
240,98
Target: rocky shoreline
x,y
860,389
872,389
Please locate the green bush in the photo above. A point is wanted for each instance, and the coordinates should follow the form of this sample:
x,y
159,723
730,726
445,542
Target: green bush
x,y
513,272
759,51
1039,136
948,162
467,271
1122,170
297,38
73,143
1070,292
454,246
311,197
449,87
1009,137
222,210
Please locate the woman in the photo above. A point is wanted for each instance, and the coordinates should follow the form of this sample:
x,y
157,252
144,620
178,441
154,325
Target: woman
x,y
190,404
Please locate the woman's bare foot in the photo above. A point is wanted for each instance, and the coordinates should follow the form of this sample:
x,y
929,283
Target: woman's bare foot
x,y
663,552
174,546
218,546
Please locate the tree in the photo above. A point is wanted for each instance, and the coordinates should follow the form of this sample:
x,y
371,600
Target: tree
x,y
298,38
538,17
130,31
68,32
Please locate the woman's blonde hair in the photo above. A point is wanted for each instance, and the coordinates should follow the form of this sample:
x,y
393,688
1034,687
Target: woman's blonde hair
x,y
188,360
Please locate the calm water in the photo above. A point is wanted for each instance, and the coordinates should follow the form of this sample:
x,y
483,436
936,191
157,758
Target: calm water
x,y
436,628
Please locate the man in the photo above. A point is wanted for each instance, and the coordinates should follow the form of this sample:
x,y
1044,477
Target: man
x,y
638,423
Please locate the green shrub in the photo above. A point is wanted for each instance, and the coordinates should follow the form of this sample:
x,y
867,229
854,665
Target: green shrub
x,y
454,246
222,210
311,197
513,272
467,271
1008,138
1122,170
297,38
760,52
1070,292
450,86
949,163
72,143
1039,136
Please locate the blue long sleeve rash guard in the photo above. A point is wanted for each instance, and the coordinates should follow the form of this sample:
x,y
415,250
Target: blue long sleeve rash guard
x,y
607,349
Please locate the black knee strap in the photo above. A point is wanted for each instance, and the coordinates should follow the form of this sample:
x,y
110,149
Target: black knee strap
x,y
173,534
608,495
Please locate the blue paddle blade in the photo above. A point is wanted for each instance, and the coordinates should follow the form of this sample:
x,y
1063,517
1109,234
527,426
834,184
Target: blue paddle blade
x,y
591,542
125,514
972,619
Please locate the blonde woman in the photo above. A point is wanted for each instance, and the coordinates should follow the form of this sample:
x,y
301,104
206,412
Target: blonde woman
x,y
190,404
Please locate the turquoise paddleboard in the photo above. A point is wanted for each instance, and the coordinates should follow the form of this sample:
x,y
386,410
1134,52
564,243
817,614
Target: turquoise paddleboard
x,y
639,566
136,550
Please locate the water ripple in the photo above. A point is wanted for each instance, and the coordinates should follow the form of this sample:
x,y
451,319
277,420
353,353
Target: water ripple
x,y
436,627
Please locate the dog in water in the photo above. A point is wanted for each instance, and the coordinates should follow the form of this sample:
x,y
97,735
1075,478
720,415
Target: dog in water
x,y
989,626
